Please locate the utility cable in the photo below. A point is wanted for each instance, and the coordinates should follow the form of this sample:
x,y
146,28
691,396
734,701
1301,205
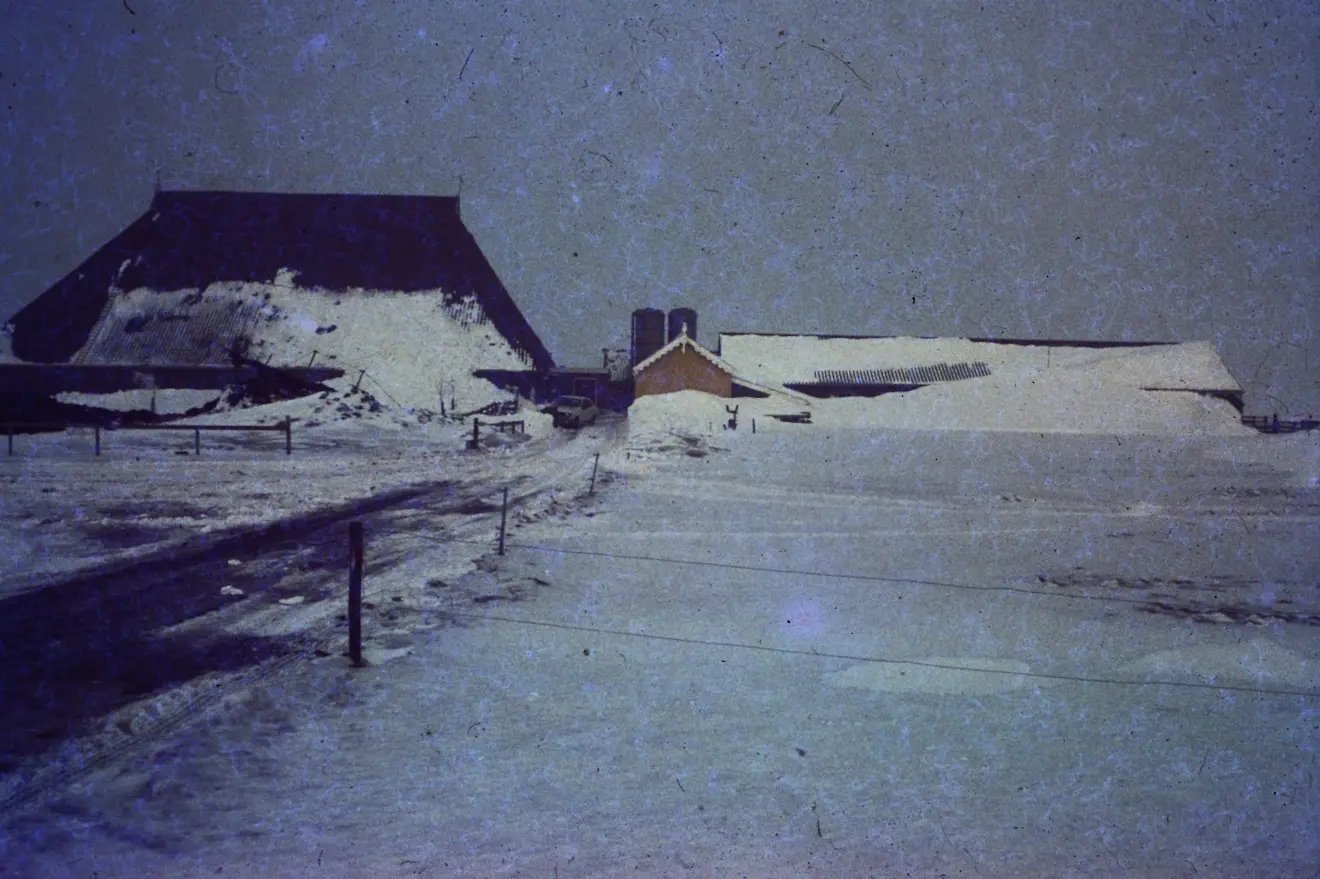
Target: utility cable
x,y
800,572
789,651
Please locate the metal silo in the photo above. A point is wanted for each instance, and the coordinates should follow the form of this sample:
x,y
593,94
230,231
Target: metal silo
x,y
678,317
648,333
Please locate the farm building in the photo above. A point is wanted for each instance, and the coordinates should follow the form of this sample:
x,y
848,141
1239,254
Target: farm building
x,y
995,384
684,365
375,285
869,366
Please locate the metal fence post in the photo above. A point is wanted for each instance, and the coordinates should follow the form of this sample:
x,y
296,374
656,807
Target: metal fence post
x,y
592,490
288,435
98,439
197,441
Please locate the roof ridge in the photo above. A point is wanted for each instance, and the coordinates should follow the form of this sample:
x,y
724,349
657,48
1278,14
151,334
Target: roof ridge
x,y
682,340
679,341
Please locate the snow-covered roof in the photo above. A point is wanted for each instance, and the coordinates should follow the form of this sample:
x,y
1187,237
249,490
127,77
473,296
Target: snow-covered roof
x,y
342,245
788,360
773,390
684,342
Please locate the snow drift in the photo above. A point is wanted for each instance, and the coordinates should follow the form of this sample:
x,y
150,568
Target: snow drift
x,y
408,351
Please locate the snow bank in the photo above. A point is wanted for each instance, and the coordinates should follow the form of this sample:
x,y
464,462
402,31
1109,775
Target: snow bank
x,y
783,359
1027,402
1031,389
1038,401
168,401
1188,366
788,359
694,423
695,412
1296,452
407,352
413,347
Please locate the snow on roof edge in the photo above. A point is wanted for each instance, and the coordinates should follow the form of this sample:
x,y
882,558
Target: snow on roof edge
x,y
683,340
774,389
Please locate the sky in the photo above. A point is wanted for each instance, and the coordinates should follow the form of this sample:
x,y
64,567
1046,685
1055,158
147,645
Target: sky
x,y
1131,170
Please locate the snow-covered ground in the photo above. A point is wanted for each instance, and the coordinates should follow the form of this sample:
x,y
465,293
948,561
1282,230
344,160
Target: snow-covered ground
x,y
149,492
407,357
812,650
1040,623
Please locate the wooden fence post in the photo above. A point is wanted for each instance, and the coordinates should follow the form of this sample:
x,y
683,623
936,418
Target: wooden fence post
x,y
355,592
504,515
98,439
592,490
288,435
197,441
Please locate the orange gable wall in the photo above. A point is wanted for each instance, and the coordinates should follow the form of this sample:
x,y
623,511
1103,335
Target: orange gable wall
x,y
684,370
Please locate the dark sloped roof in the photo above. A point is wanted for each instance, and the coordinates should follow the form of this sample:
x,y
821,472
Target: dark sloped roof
x,y
193,239
171,328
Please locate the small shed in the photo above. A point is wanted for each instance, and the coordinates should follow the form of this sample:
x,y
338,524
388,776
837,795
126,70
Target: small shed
x,y
577,381
683,365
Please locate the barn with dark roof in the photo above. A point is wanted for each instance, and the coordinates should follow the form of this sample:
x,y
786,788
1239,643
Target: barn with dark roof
x,y
346,244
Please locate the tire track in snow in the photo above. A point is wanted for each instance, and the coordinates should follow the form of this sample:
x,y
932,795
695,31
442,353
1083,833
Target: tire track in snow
x,y
38,776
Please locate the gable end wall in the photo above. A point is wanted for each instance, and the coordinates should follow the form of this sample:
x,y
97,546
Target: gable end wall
x,y
684,370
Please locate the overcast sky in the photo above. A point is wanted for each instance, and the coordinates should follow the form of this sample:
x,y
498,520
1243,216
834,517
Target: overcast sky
x,y
1116,170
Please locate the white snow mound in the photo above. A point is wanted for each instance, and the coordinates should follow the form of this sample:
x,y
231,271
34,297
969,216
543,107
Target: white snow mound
x,y
413,348
409,351
1031,388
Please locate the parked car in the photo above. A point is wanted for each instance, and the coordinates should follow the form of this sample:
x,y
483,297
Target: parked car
x,y
572,411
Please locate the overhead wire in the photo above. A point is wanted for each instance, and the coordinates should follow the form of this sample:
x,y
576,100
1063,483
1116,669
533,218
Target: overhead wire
x,y
790,651
1241,688
827,575
876,578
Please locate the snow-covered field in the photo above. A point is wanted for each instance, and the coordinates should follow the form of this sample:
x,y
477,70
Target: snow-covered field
x,y
813,650
1040,623
148,493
